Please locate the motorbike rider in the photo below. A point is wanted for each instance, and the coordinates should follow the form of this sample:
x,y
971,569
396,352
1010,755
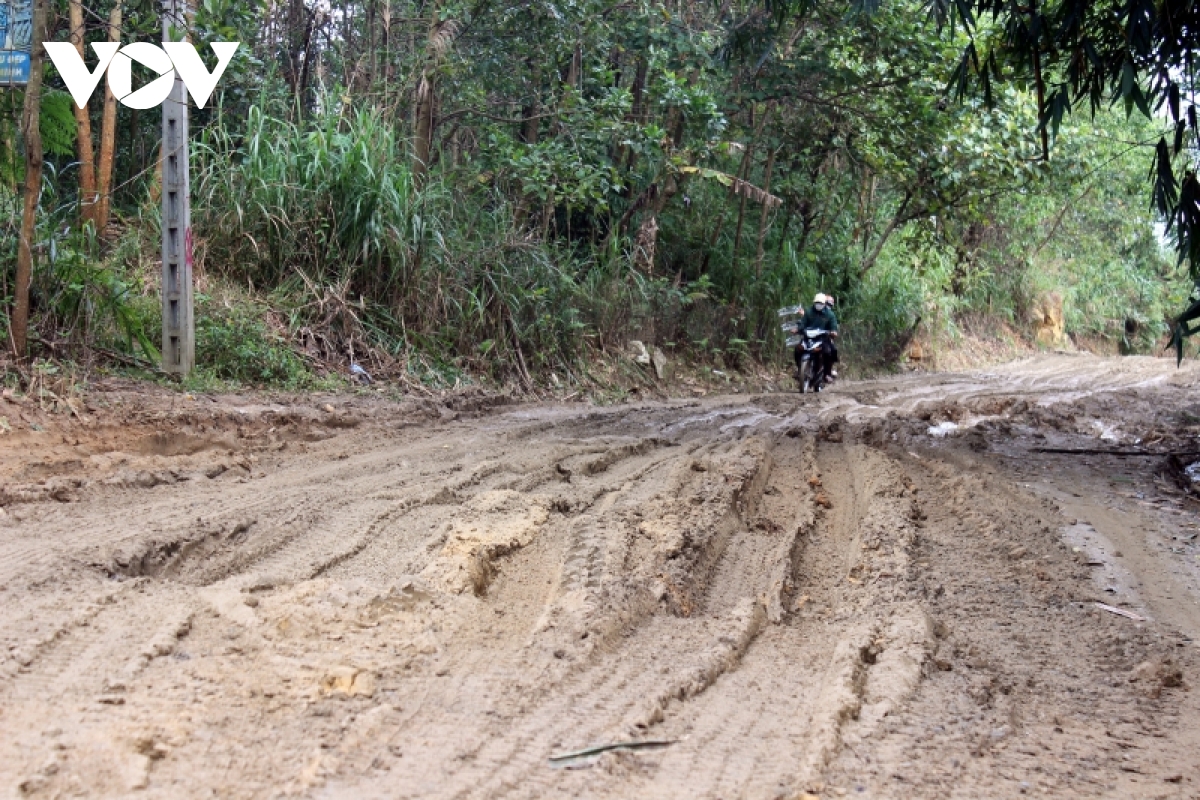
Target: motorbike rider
x,y
820,316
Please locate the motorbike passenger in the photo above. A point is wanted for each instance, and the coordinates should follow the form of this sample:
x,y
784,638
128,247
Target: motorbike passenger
x,y
831,303
820,316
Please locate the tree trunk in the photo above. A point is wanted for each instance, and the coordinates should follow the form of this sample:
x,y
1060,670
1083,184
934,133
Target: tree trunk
x,y
576,67
297,68
156,184
646,241
108,134
9,167
638,91
676,117
743,173
788,213
83,120
136,152
866,210
372,47
758,129
741,215
737,236
440,38
530,132
762,218
423,128
386,44
1037,24
31,131
297,20
306,70
530,128
897,220
637,110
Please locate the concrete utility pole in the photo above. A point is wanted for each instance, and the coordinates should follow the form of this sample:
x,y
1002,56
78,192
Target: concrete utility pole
x,y
179,325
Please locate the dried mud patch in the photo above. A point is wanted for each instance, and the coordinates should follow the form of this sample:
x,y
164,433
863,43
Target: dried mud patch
x,y
131,436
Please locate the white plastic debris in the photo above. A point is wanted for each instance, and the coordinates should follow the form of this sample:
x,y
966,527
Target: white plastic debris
x,y
942,428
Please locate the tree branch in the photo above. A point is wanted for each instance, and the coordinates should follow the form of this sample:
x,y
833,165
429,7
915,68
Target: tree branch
x,y
897,220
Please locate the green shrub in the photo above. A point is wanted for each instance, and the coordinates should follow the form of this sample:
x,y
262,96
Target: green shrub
x,y
235,343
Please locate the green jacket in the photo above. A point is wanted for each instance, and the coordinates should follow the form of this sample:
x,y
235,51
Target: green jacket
x,y
824,319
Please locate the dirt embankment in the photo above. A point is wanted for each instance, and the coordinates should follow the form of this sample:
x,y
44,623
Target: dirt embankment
x,y
887,591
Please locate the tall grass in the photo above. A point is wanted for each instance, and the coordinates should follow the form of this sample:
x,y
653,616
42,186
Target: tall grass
x,y
333,200
82,299
328,210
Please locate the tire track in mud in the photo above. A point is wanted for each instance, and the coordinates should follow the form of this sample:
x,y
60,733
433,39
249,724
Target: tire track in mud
x,y
230,560
170,512
99,652
148,528
26,631
1026,675
622,694
86,670
608,661
307,555
288,540
670,665
761,730
606,469
312,558
1040,380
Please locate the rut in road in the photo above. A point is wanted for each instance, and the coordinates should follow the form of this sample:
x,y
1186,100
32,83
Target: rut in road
x,y
398,520
766,723
716,668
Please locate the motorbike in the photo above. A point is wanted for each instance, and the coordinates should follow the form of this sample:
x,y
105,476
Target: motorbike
x,y
813,343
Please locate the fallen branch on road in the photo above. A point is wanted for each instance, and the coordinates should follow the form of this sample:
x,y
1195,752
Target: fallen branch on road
x,y
1088,451
604,748
1119,612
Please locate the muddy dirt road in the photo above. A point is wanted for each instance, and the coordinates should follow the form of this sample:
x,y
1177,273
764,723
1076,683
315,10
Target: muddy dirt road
x,y
887,591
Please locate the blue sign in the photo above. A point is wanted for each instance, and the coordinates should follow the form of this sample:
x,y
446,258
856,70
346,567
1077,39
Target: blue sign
x,y
16,41
14,68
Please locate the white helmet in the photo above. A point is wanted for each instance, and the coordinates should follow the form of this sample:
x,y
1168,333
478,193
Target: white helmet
x,y
820,298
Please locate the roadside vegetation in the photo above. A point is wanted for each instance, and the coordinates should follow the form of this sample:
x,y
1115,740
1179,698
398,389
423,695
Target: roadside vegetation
x,y
463,191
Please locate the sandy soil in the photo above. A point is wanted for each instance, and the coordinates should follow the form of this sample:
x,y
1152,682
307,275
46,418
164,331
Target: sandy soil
x,y
886,591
